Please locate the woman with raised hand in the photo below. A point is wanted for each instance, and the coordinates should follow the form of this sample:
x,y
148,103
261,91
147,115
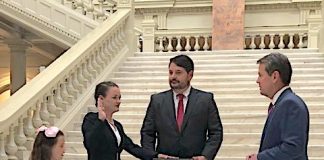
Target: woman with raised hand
x,y
104,137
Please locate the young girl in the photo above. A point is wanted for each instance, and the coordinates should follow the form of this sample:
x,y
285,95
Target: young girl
x,y
48,145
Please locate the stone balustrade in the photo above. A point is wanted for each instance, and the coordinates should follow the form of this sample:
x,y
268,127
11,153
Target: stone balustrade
x,y
284,37
54,96
98,10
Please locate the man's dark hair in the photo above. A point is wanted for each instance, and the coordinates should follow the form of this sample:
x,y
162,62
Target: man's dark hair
x,y
183,61
277,62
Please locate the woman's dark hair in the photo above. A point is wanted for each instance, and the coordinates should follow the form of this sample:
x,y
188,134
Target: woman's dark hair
x,y
42,149
102,88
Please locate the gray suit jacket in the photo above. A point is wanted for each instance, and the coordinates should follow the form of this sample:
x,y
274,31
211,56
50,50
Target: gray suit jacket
x,y
285,134
201,133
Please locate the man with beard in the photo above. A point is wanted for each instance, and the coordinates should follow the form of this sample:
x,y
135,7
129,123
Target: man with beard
x,y
183,120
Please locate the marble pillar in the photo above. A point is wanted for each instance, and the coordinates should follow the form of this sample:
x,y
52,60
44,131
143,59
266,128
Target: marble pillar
x,y
18,50
321,46
228,24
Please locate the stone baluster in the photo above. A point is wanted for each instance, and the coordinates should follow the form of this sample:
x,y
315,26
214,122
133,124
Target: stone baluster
x,y
161,48
206,46
197,47
29,130
11,147
244,42
76,83
64,93
79,6
291,41
114,44
91,69
43,113
281,43
117,40
20,140
120,39
262,45
178,47
300,42
272,45
138,44
108,52
51,107
37,121
83,75
70,88
94,63
123,35
188,47
3,155
101,13
253,46
110,46
99,60
58,101
103,55
170,48
90,10
111,53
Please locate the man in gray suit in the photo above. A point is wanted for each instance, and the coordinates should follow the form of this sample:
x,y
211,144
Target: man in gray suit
x,y
183,120
285,134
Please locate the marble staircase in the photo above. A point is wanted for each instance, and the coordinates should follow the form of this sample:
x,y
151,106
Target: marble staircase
x,y
231,76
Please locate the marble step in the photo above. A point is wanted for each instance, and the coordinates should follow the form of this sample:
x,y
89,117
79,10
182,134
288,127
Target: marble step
x,y
225,117
211,84
73,156
228,150
216,66
229,138
221,61
213,78
238,108
256,127
217,91
224,99
228,71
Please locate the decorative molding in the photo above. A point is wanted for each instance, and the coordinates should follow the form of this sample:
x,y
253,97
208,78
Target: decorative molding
x,y
154,4
204,7
304,5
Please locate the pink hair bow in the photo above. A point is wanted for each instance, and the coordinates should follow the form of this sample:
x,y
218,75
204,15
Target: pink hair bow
x,y
49,132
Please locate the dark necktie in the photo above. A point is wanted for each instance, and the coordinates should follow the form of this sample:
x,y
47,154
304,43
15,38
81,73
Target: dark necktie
x,y
270,108
180,111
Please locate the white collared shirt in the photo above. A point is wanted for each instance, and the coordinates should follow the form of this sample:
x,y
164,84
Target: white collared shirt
x,y
277,95
116,132
185,100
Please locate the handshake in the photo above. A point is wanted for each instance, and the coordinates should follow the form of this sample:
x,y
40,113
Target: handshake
x,y
174,158
163,156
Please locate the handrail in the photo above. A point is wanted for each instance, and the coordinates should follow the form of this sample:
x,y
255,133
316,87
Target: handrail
x,y
58,90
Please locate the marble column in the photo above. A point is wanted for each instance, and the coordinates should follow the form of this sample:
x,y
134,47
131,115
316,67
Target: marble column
x,y
228,24
18,50
314,22
149,27
321,47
